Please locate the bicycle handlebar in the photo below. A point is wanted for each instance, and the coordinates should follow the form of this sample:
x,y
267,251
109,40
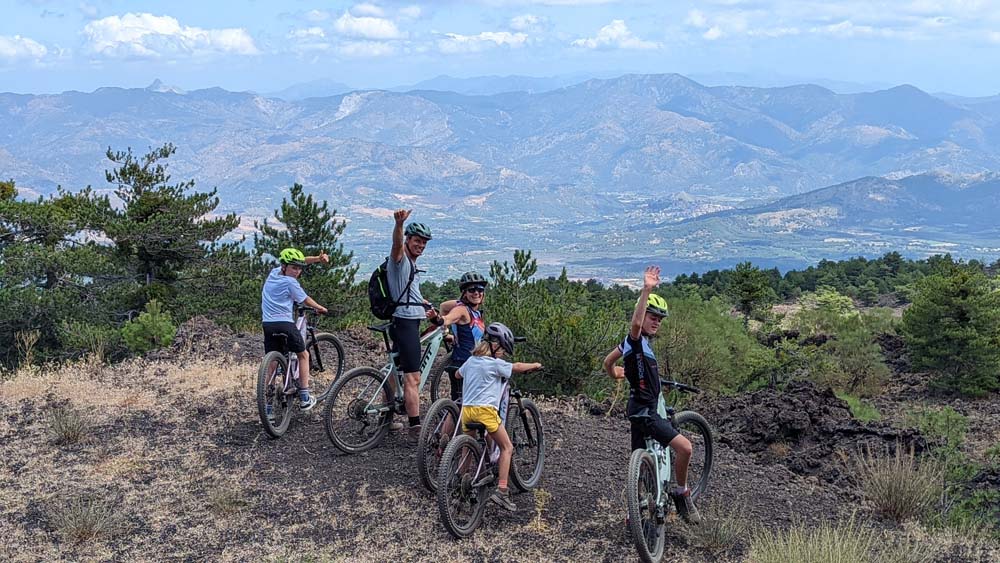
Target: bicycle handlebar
x,y
680,386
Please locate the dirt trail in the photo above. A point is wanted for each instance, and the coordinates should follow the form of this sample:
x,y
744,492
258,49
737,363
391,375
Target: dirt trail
x,y
179,452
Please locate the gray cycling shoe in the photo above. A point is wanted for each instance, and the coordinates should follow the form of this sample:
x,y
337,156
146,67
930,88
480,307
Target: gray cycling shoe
x,y
502,498
685,505
307,406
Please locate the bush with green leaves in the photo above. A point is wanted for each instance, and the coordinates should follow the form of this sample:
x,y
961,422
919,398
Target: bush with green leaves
x,y
702,344
953,330
151,330
103,342
847,337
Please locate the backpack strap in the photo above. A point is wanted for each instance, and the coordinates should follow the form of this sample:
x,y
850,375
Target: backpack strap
x,y
406,290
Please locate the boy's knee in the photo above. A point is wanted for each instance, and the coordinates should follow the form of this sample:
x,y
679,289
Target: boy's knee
x,y
682,446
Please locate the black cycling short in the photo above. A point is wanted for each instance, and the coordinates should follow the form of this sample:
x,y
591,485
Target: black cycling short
x,y
405,334
456,384
655,426
273,342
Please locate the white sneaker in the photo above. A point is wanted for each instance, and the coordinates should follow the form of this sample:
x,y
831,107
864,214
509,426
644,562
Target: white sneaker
x,y
306,406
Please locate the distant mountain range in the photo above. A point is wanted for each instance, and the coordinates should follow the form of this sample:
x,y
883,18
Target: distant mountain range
x,y
567,170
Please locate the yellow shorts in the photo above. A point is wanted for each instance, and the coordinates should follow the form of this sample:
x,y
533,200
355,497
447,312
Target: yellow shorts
x,y
488,416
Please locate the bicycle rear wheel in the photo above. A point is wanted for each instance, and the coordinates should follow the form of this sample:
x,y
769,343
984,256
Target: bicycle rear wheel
x,y
440,385
524,426
695,428
358,411
270,394
436,431
461,503
645,518
326,364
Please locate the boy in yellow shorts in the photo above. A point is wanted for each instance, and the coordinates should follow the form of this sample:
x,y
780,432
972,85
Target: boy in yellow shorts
x,y
484,375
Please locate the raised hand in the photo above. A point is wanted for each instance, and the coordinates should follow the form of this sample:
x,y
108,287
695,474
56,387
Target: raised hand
x,y
401,215
651,278
324,258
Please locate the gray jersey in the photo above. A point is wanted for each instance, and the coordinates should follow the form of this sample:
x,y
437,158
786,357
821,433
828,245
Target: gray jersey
x,y
483,378
398,274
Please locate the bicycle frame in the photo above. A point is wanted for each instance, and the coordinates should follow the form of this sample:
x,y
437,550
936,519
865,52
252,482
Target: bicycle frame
x,y
431,341
661,456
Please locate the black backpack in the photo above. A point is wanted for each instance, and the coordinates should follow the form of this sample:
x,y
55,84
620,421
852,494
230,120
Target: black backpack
x,y
379,299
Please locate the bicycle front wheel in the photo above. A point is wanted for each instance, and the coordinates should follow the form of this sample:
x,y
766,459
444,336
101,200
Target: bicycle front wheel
x,y
440,385
461,502
695,428
524,426
645,516
326,364
358,411
273,406
435,433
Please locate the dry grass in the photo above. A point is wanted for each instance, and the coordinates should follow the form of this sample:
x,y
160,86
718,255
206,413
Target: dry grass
x,y
227,499
542,498
67,426
86,518
833,543
779,449
898,486
722,528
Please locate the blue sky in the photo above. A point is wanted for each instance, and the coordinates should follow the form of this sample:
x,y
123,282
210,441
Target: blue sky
x,y
56,45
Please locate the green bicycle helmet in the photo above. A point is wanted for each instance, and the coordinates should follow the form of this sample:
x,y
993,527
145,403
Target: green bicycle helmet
x,y
292,256
471,278
418,229
657,305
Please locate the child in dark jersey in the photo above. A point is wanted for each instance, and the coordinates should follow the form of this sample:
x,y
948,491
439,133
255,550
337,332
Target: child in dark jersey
x,y
641,371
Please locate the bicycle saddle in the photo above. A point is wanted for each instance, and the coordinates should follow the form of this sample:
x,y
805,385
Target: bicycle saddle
x,y
383,328
478,426
641,415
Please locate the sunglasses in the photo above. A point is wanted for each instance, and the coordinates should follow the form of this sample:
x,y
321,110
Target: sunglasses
x,y
476,289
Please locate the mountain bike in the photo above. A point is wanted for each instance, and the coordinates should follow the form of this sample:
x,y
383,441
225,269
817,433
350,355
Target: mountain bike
x,y
650,476
361,405
278,376
468,469
524,427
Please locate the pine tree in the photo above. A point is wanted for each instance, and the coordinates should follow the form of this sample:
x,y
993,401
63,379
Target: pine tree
x,y
953,330
161,228
750,290
313,228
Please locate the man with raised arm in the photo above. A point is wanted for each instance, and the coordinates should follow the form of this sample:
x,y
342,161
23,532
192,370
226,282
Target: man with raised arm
x,y
404,288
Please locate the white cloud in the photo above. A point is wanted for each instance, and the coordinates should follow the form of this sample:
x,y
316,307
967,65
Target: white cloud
x,y
21,48
88,10
456,43
307,33
528,22
367,9
696,18
412,12
615,35
994,36
317,15
367,27
713,33
148,36
366,49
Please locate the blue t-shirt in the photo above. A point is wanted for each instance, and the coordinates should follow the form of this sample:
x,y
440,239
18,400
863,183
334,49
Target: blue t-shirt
x,y
279,295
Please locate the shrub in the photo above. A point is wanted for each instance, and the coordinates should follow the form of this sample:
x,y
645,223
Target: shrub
x,y
844,335
946,427
151,330
832,544
720,530
67,426
898,486
701,344
226,499
85,518
99,341
860,409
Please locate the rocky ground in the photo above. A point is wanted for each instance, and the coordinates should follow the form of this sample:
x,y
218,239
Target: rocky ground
x,y
173,461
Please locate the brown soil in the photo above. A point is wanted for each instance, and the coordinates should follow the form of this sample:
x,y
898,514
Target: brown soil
x,y
175,448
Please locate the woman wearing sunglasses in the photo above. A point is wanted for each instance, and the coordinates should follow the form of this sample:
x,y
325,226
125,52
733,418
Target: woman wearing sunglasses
x,y
464,317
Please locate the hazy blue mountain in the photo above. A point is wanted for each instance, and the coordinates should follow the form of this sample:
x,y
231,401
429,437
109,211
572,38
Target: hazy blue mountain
x,y
777,80
565,170
319,88
489,85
